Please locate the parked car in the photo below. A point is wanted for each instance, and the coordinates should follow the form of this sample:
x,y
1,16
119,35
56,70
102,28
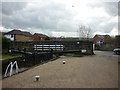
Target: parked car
x,y
117,51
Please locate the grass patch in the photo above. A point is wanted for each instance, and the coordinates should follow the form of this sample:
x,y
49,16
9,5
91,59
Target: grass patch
x,y
9,55
73,55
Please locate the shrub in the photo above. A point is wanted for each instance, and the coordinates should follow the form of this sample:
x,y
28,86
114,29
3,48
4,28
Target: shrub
x,y
47,38
5,43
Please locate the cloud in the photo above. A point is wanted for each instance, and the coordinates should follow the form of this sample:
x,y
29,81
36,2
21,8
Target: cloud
x,y
114,32
56,16
9,8
110,7
63,34
45,17
106,25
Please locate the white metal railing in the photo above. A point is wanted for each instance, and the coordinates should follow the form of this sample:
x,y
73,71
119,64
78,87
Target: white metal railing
x,y
48,47
11,65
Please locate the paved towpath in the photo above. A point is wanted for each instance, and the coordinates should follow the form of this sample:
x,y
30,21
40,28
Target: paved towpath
x,y
97,71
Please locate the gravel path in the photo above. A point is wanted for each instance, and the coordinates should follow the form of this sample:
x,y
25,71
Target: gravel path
x,y
97,71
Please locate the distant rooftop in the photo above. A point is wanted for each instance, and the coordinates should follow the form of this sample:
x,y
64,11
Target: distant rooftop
x,y
102,36
19,32
41,35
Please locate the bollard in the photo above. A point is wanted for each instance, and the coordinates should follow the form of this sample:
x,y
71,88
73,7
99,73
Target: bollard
x,y
37,78
64,62
9,51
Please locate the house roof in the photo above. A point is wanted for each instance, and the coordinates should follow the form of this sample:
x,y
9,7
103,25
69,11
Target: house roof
x,y
19,32
102,36
41,35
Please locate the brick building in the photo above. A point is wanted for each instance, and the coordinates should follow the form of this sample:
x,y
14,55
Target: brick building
x,y
18,35
39,37
100,39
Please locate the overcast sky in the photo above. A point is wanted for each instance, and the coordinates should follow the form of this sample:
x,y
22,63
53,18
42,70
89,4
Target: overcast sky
x,y
60,17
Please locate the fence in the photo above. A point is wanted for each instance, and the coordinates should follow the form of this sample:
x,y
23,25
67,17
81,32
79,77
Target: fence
x,y
65,45
36,58
48,47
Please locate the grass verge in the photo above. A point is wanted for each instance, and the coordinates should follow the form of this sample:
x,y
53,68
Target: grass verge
x,y
9,55
73,55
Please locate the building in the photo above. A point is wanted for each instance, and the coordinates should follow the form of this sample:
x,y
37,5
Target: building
x,y
100,39
18,35
39,37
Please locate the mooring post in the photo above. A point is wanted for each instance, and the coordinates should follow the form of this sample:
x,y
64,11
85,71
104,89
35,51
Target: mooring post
x,y
37,78
64,62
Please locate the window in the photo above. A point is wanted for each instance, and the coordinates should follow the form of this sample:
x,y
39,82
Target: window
x,y
12,35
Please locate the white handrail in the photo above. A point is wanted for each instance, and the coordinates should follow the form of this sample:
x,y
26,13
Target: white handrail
x,y
11,68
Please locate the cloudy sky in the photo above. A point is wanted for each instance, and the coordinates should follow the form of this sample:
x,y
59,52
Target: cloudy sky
x,y
60,17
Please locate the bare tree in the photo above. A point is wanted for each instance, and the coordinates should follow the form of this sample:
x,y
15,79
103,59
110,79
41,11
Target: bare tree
x,y
84,32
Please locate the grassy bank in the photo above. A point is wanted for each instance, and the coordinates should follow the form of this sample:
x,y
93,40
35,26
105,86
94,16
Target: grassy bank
x,y
9,55
73,55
